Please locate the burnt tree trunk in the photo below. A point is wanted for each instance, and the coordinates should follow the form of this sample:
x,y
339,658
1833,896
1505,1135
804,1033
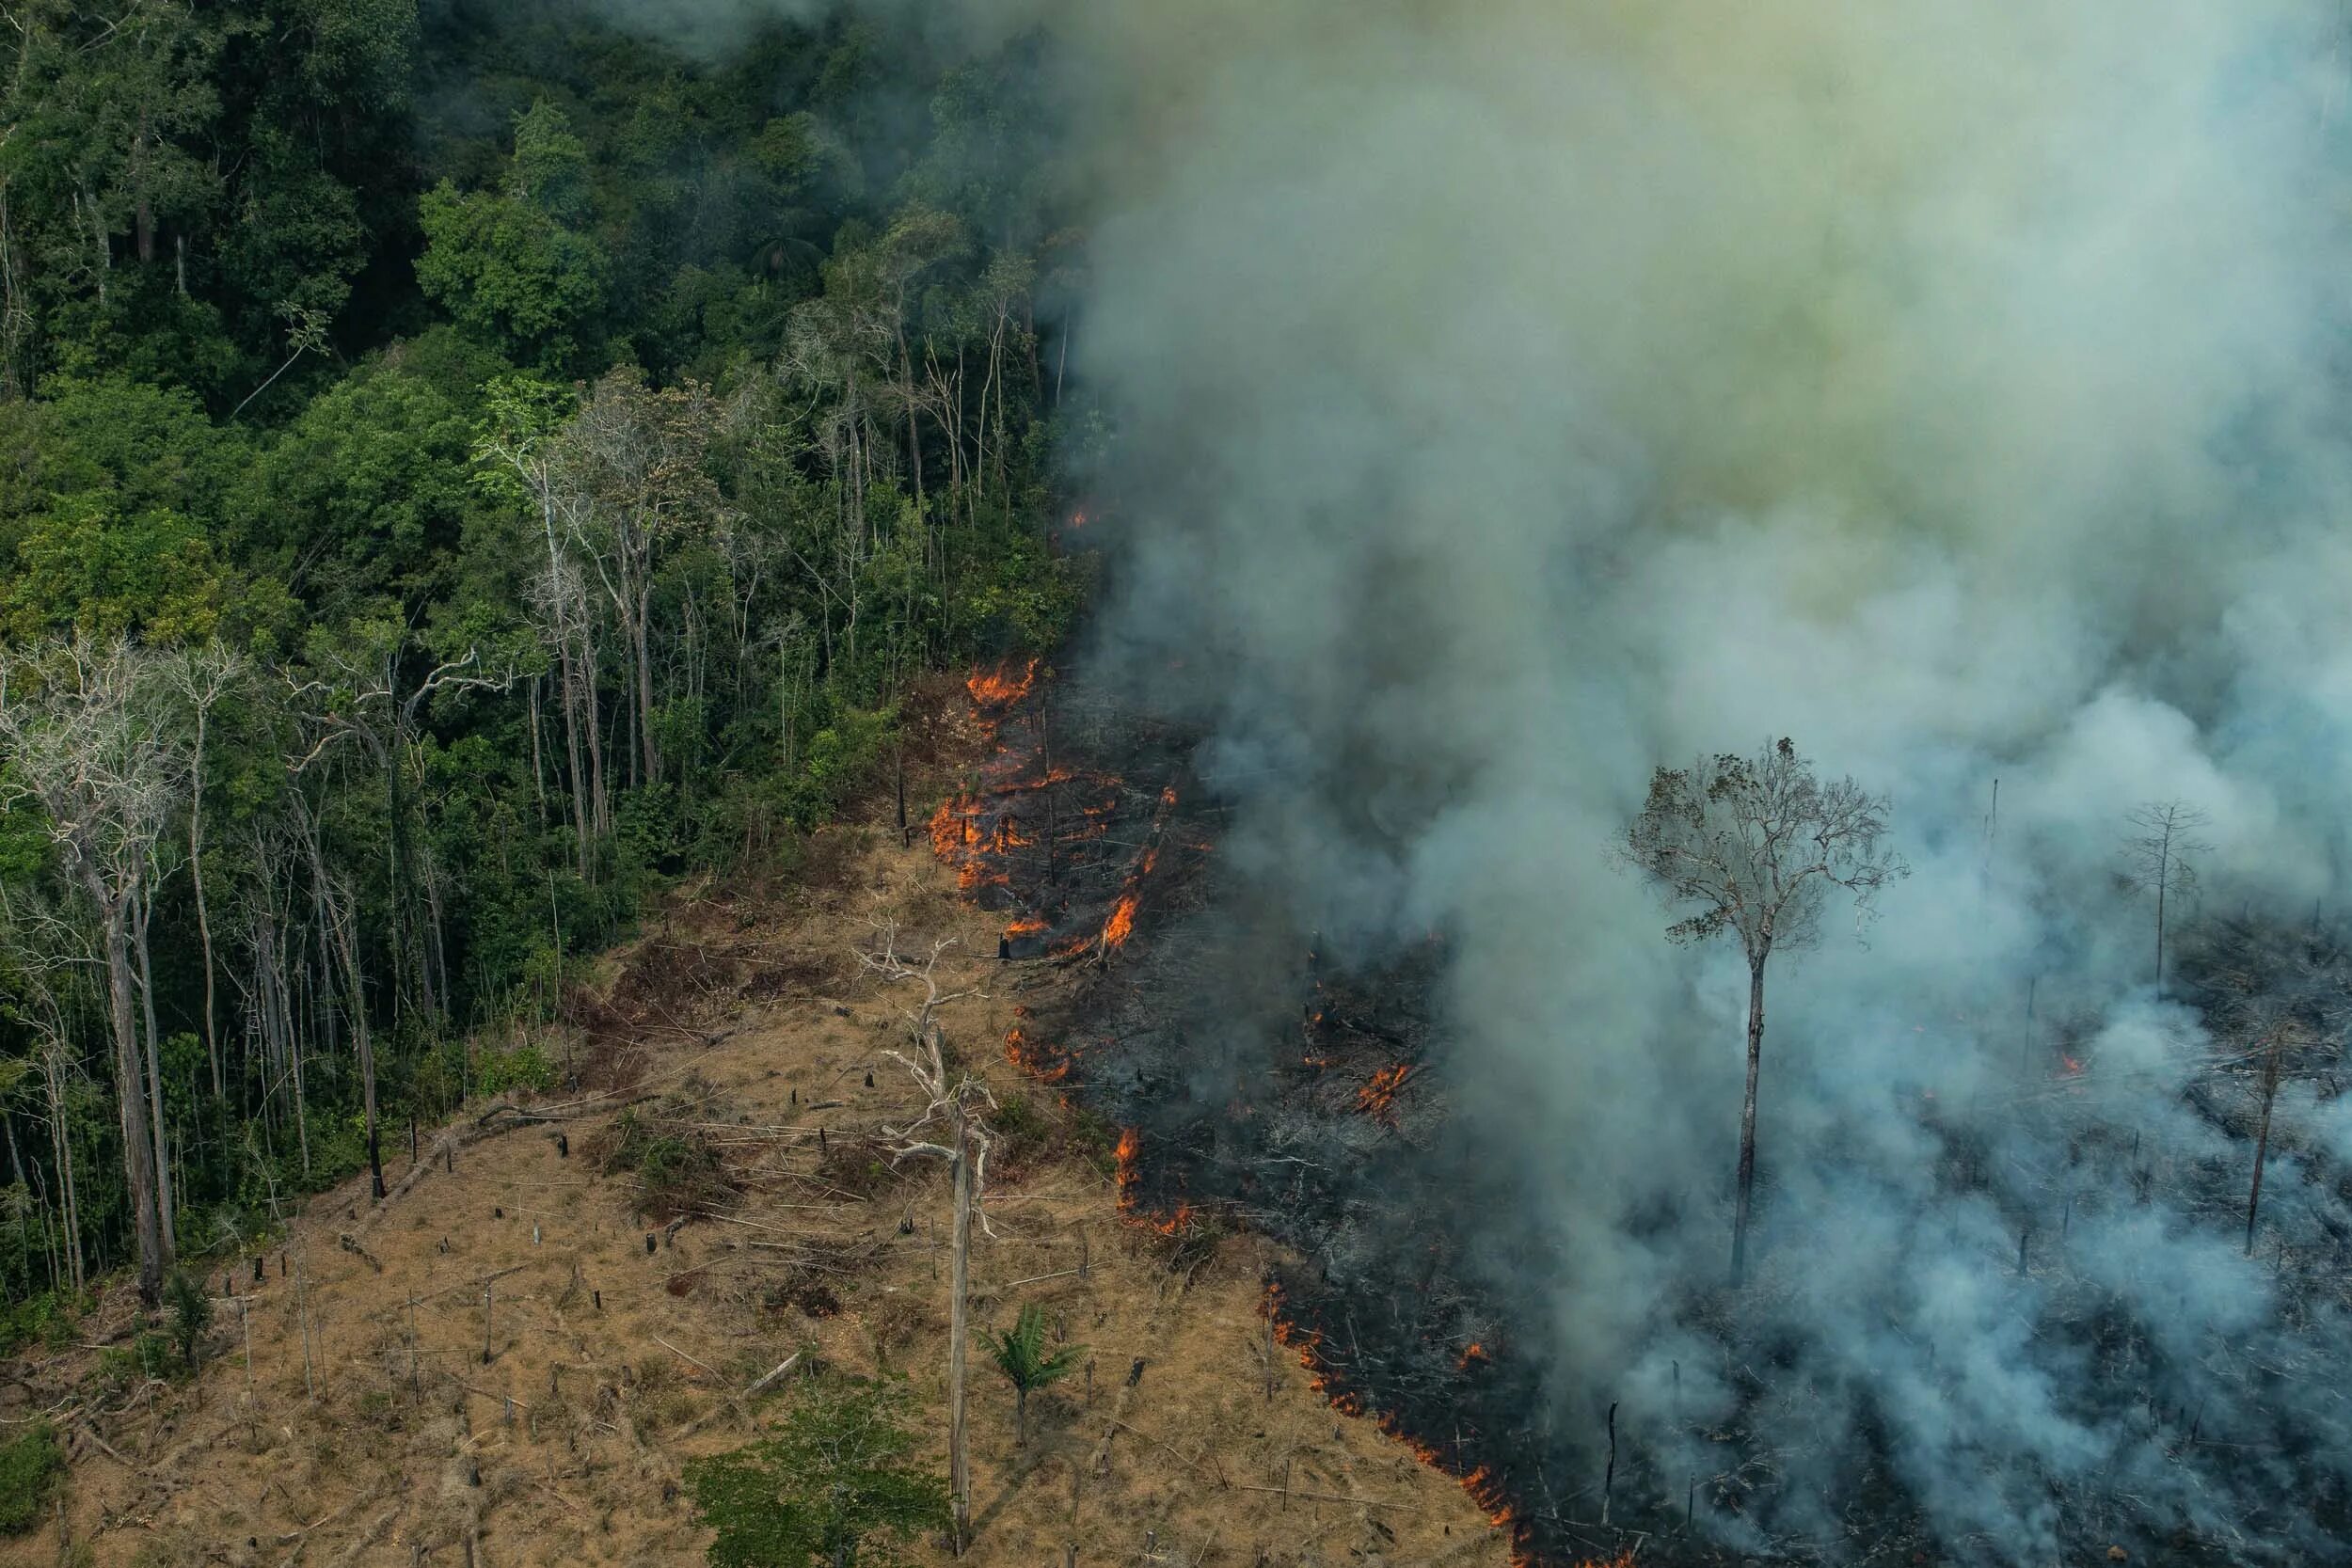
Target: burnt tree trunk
x,y
1747,1118
2261,1140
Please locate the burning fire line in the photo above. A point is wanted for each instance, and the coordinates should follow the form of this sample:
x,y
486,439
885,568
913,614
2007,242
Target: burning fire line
x,y
1122,924
979,854
1047,1063
1130,1204
1479,1482
977,831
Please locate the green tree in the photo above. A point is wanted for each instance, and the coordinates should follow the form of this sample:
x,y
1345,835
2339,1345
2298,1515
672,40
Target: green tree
x,y
367,493
191,1317
833,1484
1020,1355
509,264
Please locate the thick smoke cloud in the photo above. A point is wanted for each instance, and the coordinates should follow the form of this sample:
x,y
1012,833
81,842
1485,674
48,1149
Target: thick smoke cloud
x,y
1516,396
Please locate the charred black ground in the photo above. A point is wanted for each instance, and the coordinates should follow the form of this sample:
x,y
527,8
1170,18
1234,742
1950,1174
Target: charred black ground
x,y
1262,1081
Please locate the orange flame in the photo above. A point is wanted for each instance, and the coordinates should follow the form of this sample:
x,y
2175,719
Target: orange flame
x,y
1045,1063
1123,921
1129,1145
1474,1353
1130,1148
999,686
1377,1099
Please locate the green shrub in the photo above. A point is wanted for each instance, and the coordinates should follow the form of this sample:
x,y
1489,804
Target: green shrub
x,y
678,1173
526,1066
191,1316
835,1479
30,1467
47,1319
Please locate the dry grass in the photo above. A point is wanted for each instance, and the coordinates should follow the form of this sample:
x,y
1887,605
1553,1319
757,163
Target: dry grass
x,y
610,1366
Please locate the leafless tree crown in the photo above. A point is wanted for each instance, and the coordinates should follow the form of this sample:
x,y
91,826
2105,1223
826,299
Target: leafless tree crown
x,y
949,1098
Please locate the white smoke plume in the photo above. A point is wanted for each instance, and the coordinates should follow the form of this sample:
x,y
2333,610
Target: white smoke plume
x,y
1513,397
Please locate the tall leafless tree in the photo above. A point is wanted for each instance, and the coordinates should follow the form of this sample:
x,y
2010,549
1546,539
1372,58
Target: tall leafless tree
x,y
86,734
1754,845
203,677
954,1104
2157,859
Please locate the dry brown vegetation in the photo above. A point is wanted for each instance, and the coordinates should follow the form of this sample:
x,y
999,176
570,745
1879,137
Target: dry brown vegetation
x,y
551,1427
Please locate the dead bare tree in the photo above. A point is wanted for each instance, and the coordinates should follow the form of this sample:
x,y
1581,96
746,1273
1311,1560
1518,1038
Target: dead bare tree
x,y
954,1105
2158,858
358,695
202,677
1756,844
86,736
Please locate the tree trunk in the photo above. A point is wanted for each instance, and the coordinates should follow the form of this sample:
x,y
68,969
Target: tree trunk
x,y
166,1204
203,914
642,634
138,1146
2261,1140
600,795
959,1462
538,763
53,1076
906,393
339,921
365,1044
1747,1119
1021,1417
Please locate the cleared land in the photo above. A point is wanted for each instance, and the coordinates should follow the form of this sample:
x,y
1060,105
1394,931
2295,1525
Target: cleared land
x,y
747,1033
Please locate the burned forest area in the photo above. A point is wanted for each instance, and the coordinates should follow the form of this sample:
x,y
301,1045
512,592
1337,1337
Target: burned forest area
x,y
1263,1082
1175,783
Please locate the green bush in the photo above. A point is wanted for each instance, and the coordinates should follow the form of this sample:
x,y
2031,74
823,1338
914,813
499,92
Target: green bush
x,y
526,1066
678,1173
47,1317
30,1467
835,1479
191,1316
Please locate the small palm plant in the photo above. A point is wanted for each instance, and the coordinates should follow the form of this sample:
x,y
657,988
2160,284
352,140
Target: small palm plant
x,y
1020,1355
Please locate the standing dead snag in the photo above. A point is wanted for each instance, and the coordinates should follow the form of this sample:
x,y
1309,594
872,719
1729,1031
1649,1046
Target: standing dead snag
x,y
2158,858
953,1108
1756,844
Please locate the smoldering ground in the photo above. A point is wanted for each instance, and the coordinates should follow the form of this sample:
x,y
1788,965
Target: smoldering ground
x,y
1512,398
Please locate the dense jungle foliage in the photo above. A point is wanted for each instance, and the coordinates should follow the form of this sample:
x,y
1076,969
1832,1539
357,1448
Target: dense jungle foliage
x,y
464,466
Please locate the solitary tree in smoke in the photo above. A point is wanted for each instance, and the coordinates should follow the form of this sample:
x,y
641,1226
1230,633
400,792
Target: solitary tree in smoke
x,y
1756,844
2156,858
